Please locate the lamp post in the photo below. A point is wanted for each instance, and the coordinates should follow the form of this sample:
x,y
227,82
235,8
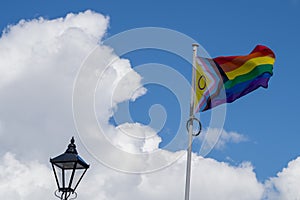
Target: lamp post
x,y
69,168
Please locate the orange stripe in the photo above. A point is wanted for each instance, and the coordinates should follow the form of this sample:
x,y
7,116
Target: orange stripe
x,y
238,61
230,63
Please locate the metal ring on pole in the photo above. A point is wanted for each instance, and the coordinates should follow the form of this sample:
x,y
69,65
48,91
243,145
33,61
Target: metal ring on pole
x,y
200,125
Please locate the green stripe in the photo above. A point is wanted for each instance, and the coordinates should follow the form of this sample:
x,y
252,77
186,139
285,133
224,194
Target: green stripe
x,y
258,70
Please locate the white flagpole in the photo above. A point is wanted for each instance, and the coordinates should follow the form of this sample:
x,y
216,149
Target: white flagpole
x,y
190,127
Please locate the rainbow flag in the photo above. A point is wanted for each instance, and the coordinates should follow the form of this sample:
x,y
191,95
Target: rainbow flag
x,y
227,78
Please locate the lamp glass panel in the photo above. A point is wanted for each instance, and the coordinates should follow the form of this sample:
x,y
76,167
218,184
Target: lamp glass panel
x,y
58,172
68,174
77,176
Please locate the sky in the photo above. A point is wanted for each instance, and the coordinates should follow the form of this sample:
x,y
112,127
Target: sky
x,y
65,72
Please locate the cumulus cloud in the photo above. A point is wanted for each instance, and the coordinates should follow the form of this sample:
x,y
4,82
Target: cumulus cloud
x,y
39,60
128,132
24,180
211,180
286,184
28,46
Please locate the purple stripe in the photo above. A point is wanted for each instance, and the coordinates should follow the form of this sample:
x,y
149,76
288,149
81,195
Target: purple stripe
x,y
262,81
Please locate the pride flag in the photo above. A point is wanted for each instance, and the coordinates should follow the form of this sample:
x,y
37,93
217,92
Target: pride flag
x,y
227,78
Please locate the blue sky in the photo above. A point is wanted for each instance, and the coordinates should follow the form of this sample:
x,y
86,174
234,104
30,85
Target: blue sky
x,y
268,118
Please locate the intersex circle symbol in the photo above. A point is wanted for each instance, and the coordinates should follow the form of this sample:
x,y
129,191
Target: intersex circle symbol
x,y
202,77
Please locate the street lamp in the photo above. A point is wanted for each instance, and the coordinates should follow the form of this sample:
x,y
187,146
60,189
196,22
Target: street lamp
x,y
68,168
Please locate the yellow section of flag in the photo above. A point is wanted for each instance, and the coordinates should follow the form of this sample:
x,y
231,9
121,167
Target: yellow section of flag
x,y
206,81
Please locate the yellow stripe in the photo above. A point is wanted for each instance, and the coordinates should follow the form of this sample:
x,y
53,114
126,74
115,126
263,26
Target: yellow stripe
x,y
249,66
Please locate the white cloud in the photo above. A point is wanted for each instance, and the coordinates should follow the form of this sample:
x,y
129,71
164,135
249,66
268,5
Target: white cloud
x,y
24,180
210,180
229,137
286,184
33,180
39,60
220,138
30,45
130,138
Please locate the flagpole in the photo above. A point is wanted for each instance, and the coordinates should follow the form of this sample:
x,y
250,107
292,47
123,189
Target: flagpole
x,y
190,127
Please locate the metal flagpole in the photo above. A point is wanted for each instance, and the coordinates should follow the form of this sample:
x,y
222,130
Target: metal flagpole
x,y
190,127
